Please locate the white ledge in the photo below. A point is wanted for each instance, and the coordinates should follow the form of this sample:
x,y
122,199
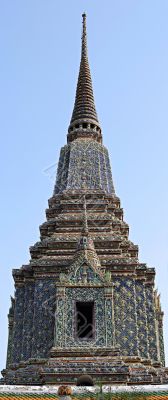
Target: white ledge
x,y
49,389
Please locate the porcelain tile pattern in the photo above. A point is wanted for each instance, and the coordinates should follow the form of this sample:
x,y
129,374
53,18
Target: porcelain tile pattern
x,y
84,257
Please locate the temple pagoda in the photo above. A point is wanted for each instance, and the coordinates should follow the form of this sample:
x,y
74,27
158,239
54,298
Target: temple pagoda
x,y
85,304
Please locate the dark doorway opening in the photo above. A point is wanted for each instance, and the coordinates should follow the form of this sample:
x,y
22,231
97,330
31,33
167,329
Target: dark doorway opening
x,y
84,319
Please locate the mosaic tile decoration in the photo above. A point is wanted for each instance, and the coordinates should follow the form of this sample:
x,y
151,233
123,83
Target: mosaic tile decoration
x,y
84,164
41,316
84,254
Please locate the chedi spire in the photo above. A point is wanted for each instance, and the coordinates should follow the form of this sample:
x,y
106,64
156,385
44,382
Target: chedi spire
x,y
84,121
84,302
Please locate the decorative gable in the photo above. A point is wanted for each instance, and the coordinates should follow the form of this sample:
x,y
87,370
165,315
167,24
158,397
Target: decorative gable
x,y
85,274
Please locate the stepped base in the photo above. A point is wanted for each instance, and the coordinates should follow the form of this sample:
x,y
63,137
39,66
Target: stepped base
x,y
66,370
84,352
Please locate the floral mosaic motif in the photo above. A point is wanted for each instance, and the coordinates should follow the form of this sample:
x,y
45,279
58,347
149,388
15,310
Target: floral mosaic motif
x,y
59,323
141,318
44,317
18,324
85,164
161,342
151,320
27,333
63,168
125,315
109,322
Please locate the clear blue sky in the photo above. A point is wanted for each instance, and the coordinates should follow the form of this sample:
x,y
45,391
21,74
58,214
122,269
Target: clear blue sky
x,y
40,54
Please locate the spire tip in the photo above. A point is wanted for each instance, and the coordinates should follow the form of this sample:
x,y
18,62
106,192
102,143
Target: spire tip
x,y
84,120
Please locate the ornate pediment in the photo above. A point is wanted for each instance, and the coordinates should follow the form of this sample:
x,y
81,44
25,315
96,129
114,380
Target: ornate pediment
x,y
83,273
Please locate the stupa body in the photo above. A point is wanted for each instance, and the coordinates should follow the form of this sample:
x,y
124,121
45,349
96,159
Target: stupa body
x,y
85,304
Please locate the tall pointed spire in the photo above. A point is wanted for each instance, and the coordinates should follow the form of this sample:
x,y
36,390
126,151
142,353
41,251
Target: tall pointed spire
x,y
84,121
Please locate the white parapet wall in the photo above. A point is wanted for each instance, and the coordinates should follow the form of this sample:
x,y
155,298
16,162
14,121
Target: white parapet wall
x,y
53,389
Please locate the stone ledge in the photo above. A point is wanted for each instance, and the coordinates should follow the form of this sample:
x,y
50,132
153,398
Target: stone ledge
x,y
53,389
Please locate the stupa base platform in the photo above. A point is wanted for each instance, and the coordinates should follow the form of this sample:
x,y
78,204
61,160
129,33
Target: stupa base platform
x,y
67,370
56,352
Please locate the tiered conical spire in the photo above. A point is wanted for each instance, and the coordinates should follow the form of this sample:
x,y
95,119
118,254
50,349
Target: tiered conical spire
x,y
85,256
84,121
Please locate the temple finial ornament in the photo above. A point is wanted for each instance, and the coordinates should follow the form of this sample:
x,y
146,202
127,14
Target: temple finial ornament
x,y
84,122
84,37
